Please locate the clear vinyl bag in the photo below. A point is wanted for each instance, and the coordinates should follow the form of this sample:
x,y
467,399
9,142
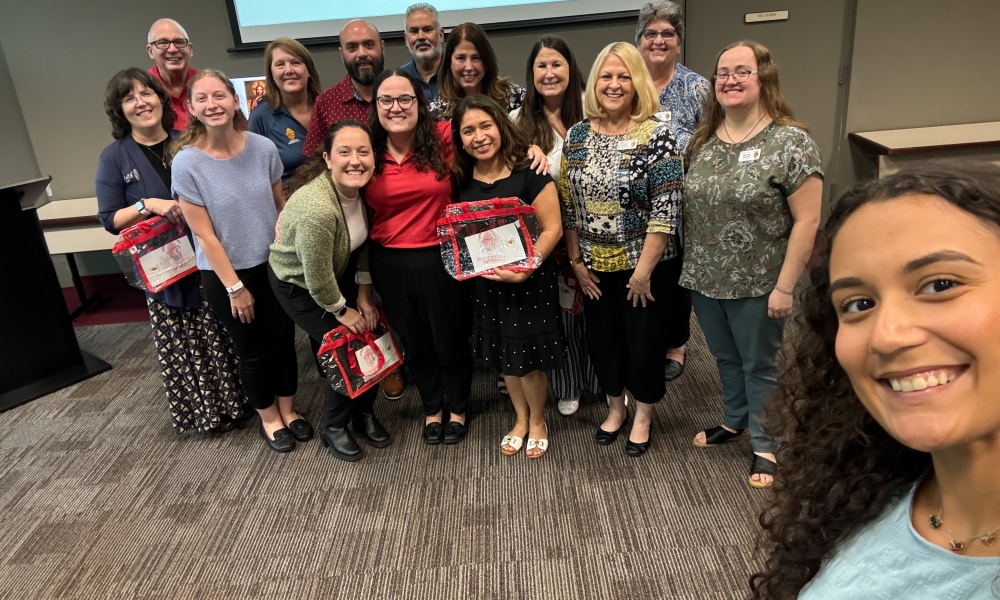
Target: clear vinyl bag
x,y
354,362
476,237
154,254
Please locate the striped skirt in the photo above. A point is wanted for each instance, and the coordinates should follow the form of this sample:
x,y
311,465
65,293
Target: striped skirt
x,y
199,365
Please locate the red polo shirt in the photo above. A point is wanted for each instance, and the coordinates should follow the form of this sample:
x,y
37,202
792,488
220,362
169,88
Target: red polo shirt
x,y
338,102
178,103
407,202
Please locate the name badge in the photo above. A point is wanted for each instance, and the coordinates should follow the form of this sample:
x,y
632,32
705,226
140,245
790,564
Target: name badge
x,y
663,115
628,144
748,155
132,175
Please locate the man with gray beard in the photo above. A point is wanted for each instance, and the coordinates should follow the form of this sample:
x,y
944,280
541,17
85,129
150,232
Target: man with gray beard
x,y
362,49
424,38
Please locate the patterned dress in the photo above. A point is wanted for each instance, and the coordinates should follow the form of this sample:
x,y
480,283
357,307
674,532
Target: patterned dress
x,y
683,99
615,189
736,215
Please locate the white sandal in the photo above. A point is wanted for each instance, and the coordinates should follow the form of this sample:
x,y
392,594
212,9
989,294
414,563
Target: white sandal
x,y
514,442
539,444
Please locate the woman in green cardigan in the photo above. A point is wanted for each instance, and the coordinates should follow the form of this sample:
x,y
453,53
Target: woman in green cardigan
x,y
319,271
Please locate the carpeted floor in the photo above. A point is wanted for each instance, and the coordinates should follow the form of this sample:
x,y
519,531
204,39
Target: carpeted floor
x,y
101,499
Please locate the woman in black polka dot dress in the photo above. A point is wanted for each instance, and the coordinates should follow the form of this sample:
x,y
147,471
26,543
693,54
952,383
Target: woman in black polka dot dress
x,y
516,326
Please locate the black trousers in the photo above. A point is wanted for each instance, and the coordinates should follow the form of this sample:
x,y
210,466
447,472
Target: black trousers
x,y
626,343
432,312
338,409
266,345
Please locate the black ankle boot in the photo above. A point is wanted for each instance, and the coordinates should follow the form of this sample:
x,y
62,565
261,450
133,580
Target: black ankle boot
x,y
341,443
368,428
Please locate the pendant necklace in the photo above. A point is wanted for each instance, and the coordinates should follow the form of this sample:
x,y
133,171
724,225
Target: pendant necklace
x,y
957,544
163,154
726,129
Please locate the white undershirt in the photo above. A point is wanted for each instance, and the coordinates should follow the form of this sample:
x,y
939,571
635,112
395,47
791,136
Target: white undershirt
x,y
354,215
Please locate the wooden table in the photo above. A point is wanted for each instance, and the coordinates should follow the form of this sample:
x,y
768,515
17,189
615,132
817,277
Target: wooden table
x,y
896,148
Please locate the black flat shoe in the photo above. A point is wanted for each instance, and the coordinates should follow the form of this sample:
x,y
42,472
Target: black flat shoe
x,y
368,428
606,438
673,370
301,429
282,442
433,433
455,432
635,448
341,443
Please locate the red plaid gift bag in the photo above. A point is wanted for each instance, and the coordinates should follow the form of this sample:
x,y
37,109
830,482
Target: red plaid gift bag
x,y
154,254
477,237
355,362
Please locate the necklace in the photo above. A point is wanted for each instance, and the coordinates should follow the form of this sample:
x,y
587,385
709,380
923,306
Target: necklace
x,y
957,544
748,133
162,157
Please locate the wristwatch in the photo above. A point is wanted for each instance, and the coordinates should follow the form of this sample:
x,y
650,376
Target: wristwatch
x,y
575,261
141,207
341,312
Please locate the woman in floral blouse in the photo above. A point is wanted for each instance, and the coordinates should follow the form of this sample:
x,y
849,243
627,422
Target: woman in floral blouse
x,y
659,34
752,198
621,186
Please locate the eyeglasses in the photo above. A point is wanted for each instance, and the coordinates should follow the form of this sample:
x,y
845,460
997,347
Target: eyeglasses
x,y
652,34
179,43
405,101
738,76
146,95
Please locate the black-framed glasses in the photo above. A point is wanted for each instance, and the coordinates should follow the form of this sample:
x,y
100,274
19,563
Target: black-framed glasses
x,y
739,76
179,43
652,34
405,101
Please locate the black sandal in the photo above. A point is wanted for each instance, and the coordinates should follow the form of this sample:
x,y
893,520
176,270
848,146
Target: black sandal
x,y
502,386
761,466
716,436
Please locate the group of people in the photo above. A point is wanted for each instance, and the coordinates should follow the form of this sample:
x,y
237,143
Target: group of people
x,y
656,191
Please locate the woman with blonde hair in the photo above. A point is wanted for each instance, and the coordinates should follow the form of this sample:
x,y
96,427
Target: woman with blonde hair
x,y
621,184
752,198
228,184
283,115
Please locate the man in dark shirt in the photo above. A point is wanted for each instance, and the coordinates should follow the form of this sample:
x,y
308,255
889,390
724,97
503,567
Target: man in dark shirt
x,y
424,39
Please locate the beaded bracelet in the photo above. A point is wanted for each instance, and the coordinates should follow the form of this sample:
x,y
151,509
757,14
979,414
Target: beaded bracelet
x,y
785,292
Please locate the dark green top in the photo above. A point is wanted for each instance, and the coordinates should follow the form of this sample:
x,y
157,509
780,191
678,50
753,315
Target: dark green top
x,y
736,215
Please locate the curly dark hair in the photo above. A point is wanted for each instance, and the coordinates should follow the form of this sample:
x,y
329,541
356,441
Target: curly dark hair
x,y
428,147
513,144
121,85
839,468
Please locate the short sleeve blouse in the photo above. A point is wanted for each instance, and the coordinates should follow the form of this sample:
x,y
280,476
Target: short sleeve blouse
x,y
736,215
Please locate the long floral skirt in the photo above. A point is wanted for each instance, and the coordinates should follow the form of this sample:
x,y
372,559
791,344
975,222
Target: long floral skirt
x,y
199,365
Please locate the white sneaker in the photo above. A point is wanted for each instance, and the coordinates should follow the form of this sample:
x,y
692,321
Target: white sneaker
x,y
568,406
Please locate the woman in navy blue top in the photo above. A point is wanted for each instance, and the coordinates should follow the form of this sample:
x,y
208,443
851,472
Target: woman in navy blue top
x,y
196,356
283,115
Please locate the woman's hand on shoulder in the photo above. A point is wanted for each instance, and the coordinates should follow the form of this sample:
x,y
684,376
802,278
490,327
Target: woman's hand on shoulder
x,y
170,209
505,276
539,161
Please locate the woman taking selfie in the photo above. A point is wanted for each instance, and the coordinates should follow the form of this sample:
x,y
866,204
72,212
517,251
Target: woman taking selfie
x,y
228,183
888,486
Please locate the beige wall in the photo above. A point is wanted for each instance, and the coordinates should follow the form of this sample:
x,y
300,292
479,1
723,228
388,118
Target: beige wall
x,y
921,63
17,157
62,53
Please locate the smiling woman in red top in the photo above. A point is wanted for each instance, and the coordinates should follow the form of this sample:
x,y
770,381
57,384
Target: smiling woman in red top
x,y
429,309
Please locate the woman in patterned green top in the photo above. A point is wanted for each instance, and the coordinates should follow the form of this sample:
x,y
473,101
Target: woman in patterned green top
x,y
752,206
621,186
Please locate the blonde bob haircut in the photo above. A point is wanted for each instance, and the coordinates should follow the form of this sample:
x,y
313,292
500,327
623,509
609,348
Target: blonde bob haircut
x,y
645,101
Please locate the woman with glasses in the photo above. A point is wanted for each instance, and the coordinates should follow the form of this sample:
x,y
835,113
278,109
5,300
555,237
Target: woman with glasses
x,y
197,359
470,66
552,104
659,35
283,115
622,181
429,309
752,197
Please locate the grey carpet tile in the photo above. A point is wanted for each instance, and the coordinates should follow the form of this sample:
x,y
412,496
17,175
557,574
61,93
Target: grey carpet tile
x,y
101,499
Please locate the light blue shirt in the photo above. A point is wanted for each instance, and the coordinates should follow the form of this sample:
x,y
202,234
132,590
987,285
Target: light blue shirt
x,y
684,98
889,560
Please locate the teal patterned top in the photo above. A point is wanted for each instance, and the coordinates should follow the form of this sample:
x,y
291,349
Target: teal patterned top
x,y
736,215
614,189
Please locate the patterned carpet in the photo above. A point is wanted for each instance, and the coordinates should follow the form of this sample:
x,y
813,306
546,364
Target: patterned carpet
x,y
101,499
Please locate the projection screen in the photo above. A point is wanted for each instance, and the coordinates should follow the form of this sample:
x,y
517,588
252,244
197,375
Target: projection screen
x,y
257,22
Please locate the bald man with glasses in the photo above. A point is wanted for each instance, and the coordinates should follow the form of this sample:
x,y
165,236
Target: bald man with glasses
x,y
168,45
